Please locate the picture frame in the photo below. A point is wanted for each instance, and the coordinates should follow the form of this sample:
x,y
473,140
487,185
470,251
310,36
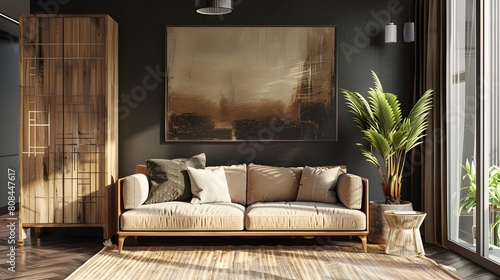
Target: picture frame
x,y
242,83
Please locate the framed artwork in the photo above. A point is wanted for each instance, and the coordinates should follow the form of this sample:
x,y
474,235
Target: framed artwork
x,y
251,83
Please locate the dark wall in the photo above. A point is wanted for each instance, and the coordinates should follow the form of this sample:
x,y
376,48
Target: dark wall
x,y
361,48
9,122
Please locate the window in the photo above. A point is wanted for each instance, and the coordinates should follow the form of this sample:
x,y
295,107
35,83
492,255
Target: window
x,y
473,106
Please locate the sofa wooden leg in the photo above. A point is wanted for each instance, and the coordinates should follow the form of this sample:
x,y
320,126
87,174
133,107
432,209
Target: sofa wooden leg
x,y
364,243
121,240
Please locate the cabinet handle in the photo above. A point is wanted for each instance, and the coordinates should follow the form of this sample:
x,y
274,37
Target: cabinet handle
x,y
45,172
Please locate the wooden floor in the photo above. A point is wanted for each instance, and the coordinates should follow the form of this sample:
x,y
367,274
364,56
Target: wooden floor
x,y
58,253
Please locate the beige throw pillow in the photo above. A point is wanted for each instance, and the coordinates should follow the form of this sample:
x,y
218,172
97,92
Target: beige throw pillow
x,y
269,183
208,185
350,190
317,184
236,177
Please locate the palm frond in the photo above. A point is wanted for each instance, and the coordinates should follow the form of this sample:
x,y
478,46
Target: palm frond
x,y
370,157
379,143
395,105
416,133
359,107
376,81
399,138
418,120
382,112
422,106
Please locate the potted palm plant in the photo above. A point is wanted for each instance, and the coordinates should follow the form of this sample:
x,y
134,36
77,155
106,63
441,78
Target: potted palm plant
x,y
388,139
468,202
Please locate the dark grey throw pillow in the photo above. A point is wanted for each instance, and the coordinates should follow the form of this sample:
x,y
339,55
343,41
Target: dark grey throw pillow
x,y
170,178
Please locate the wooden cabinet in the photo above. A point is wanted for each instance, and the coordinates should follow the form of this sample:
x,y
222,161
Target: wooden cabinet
x,y
68,121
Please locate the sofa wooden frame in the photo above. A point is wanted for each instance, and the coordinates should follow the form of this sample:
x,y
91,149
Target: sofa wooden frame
x,y
362,234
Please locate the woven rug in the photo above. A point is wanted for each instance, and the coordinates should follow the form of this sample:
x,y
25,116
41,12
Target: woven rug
x,y
256,262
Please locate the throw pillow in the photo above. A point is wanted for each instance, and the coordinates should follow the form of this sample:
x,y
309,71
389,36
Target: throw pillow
x,y
170,178
270,183
350,190
236,178
317,184
209,185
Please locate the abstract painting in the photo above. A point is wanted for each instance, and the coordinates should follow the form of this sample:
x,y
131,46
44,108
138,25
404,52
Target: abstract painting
x,y
251,83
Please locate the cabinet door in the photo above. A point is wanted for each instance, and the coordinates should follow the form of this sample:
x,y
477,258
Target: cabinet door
x,y
84,120
41,111
63,119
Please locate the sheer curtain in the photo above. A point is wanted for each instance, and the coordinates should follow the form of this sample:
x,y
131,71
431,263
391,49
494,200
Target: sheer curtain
x,y
428,177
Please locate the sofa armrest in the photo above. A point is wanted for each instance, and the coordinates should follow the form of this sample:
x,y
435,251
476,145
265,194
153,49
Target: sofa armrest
x,y
124,192
135,190
350,190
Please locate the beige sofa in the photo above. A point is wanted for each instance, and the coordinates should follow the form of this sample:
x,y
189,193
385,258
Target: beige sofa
x,y
265,201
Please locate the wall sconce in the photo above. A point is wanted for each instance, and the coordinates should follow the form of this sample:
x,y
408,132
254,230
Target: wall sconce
x,y
213,7
391,33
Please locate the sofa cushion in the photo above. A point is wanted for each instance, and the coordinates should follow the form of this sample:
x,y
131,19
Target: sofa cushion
x,y
170,179
350,190
208,186
236,177
317,184
184,216
135,190
269,183
298,215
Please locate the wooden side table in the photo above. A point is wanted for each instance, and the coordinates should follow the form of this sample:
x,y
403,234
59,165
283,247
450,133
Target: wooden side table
x,y
404,235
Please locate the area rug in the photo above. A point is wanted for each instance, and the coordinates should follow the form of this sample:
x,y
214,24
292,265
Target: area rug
x,y
256,262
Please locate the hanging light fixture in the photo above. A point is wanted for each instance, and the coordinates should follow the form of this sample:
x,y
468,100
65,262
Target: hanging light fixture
x,y
213,7
391,32
409,27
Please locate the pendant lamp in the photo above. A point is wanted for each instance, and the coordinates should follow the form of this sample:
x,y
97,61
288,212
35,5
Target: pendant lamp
x,y
213,7
391,33
409,27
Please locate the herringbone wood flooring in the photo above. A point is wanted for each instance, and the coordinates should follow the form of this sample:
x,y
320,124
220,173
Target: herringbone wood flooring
x,y
55,256
52,257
